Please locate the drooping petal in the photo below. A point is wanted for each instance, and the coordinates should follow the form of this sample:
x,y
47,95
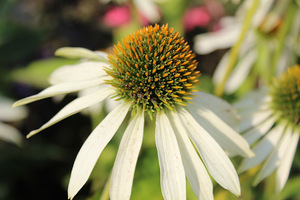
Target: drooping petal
x,y
8,114
76,106
92,148
172,176
254,120
223,109
226,137
208,42
79,72
286,163
63,88
275,158
240,72
194,169
253,98
262,149
258,131
148,9
124,167
78,52
215,159
10,134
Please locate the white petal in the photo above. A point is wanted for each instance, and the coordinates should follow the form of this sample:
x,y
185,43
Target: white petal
x,y
220,107
240,72
226,137
172,176
60,89
124,167
262,149
79,72
254,120
286,163
8,114
148,9
92,148
77,52
222,67
76,106
10,134
252,99
255,133
194,169
215,159
208,42
275,158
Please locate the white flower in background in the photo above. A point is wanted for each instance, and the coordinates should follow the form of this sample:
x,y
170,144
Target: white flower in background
x,y
259,45
151,72
271,123
9,133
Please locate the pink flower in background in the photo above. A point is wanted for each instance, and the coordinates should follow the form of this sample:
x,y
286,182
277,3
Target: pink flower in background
x,y
117,16
196,17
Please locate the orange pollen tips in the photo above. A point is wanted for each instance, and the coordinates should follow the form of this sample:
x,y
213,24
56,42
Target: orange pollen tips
x,y
286,95
168,75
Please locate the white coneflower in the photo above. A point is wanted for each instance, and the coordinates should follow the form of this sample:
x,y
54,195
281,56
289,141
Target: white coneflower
x,y
271,121
9,133
151,72
268,45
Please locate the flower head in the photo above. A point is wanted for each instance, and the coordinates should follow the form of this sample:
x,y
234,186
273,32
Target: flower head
x,y
271,120
152,71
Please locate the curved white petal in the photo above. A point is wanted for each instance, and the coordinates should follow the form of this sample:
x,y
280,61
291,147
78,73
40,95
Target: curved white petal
x,y
217,105
79,72
254,120
226,137
262,149
78,52
275,158
253,98
148,9
62,88
76,106
208,42
258,131
172,176
222,67
92,148
286,163
215,159
8,114
10,134
240,72
194,169
124,166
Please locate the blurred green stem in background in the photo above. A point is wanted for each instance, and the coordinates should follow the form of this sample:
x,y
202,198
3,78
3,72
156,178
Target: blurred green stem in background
x,y
219,90
290,18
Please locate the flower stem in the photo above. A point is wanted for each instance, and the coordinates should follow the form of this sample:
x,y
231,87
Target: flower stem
x,y
105,193
282,35
235,49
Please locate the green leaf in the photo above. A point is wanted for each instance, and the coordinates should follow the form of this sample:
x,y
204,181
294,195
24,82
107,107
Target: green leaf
x,y
36,73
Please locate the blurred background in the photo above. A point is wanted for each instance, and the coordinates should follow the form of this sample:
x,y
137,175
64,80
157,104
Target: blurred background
x,y
31,30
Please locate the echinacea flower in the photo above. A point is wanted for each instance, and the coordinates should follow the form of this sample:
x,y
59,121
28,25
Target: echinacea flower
x,y
152,72
268,44
271,121
9,133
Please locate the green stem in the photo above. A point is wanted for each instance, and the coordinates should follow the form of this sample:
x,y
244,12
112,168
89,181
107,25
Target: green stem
x,y
235,49
105,193
282,35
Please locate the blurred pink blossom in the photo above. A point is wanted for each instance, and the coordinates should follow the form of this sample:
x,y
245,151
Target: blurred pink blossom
x,y
117,16
196,17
